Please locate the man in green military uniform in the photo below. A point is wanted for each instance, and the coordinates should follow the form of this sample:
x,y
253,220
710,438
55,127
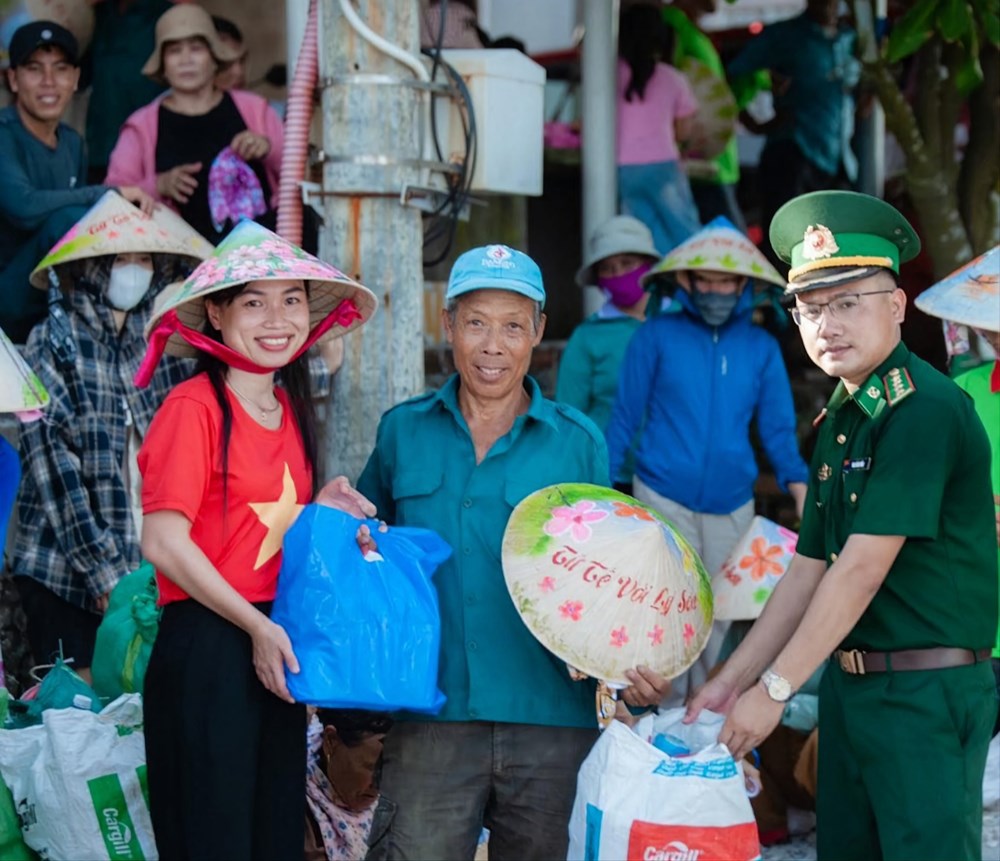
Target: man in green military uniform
x,y
895,569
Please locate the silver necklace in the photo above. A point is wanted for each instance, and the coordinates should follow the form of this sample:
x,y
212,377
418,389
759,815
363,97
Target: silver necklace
x,y
265,413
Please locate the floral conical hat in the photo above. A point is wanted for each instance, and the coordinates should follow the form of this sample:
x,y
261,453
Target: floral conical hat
x,y
254,253
115,226
605,582
20,389
717,247
751,571
970,295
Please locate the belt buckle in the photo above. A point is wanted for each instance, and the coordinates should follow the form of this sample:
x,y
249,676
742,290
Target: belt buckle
x,y
852,661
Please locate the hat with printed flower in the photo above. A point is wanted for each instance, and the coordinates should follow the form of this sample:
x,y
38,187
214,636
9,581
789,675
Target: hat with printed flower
x,y
20,389
114,226
717,247
752,570
337,304
970,295
496,267
836,237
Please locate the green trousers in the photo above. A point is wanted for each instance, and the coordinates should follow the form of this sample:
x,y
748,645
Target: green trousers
x,y
901,760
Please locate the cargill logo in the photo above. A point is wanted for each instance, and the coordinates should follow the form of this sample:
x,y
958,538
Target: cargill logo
x,y
673,851
119,835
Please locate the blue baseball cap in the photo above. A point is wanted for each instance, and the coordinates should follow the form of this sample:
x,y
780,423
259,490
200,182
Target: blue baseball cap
x,y
496,267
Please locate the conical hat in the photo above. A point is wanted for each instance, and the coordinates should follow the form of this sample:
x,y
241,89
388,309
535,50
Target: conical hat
x,y
605,582
714,125
115,226
748,576
20,389
970,296
254,253
717,247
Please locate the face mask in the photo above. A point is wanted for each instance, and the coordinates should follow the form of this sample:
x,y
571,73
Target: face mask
x,y
127,284
715,308
625,290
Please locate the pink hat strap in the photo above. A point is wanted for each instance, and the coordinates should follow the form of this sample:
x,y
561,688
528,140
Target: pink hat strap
x,y
169,324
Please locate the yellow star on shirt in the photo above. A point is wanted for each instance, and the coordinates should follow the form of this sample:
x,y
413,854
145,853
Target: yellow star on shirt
x,y
277,516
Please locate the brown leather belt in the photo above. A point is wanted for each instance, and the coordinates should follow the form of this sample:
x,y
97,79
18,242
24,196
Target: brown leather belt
x,y
857,663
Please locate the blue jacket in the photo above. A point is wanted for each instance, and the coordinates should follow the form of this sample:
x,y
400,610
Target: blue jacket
x,y
694,389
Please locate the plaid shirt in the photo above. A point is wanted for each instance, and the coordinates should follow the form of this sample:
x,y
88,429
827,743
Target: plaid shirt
x,y
77,536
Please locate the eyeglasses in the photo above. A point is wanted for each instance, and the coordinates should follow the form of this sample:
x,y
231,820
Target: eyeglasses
x,y
844,307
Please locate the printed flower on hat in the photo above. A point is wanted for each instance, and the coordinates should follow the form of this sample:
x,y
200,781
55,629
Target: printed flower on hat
x,y
761,595
760,561
623,509
571,610
730,574
208,273
547,584
791,539
618,637
688,633
656,636
575,519
818,243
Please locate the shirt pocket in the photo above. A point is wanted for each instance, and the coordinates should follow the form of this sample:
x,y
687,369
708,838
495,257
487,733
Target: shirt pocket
x,y
412,491
854,482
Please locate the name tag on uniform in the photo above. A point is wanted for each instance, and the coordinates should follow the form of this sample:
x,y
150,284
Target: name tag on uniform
x,y
859,464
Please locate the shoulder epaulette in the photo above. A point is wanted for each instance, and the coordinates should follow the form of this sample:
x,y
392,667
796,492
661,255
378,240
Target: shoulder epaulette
x,y
898,385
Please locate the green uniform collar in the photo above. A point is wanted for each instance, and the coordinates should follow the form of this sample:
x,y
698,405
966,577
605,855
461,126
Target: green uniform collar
x,y
447,396
888,384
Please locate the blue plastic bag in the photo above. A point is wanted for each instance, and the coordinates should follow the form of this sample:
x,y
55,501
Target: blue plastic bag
x,y
366,632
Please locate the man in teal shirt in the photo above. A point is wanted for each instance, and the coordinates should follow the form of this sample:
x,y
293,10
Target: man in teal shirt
x,y
505,748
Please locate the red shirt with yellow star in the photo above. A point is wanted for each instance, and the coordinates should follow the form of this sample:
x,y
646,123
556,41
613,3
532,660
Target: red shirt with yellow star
x,y
268,481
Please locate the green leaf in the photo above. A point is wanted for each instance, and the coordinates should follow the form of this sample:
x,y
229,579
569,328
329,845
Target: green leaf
x,y
969,73
954,19
912,30
988,18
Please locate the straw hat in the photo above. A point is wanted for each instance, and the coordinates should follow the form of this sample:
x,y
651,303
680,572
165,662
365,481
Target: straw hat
x,y
751,571
970,295
605,582
20,389
115,226
184,21
621,234
717,247
254,253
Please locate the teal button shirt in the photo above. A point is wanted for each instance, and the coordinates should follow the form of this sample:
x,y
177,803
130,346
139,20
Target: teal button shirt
x,y
423,472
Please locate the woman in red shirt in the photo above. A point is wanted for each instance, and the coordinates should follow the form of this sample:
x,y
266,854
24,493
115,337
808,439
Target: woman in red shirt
x,y
229,460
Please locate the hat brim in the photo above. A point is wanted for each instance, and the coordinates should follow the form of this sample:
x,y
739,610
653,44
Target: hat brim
x,y
511,285
585,276
821,279
970,295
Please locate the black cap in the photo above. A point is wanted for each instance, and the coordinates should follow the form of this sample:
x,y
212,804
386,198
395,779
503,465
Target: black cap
x,y
39,34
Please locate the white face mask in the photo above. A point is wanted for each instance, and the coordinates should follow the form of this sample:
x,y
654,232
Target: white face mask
x,y
127,284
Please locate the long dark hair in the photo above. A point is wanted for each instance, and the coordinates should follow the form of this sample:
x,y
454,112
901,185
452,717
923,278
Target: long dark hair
x,y
643,41
294,379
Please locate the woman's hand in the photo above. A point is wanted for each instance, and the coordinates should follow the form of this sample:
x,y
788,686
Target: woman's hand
x,y
338,493
365,539
249,145
178,183
135,195
272,652
647,688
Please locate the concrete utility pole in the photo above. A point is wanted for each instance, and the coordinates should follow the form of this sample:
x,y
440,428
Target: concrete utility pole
x,y
598,169
371,142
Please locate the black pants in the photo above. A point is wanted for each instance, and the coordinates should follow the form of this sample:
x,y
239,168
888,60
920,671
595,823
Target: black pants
x,y
784,172
226,758
55,623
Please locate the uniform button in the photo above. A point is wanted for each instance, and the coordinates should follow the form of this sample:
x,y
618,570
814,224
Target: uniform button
x,y
841,438
466,503
833,557
473,645
854,497
819,504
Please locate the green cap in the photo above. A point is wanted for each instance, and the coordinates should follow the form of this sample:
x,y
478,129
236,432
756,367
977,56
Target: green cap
x,y
834,237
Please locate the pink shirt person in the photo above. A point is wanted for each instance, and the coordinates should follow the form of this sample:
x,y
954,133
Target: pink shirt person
x,y
646,126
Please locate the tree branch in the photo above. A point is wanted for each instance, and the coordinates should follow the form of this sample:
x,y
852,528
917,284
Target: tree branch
x,y
949,106
927,99
979,177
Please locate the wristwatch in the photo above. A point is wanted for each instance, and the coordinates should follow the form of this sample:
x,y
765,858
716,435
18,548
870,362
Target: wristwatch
x,y
778,687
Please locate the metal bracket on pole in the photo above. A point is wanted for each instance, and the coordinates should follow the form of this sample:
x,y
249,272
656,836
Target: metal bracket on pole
x,y
433,200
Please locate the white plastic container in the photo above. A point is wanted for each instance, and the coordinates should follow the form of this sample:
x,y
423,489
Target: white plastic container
x,y
507,90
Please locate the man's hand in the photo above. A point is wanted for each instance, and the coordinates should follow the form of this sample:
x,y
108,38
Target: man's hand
x,y
178,183
646,689
716,695
338,493
248,145
751,720
134,194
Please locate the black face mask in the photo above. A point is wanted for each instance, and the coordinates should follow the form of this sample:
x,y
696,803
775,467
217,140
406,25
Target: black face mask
x,y
715,308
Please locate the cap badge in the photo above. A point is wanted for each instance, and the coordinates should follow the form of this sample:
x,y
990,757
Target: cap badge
x,y
818,243
46,34
498,256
